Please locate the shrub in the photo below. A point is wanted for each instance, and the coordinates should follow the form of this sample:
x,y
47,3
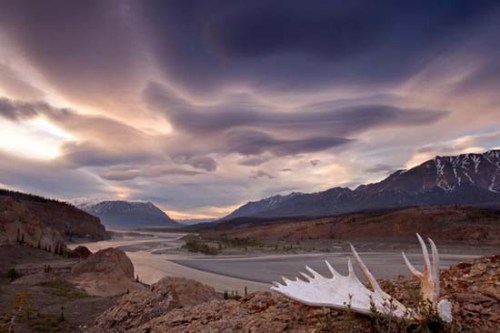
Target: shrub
x,y
200,247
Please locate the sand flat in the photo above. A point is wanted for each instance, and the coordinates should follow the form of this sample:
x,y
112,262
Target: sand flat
x,y
255,272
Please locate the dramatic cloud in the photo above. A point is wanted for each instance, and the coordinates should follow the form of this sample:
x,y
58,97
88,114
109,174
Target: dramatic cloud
x,y
307,44
253,161
152,171
18,110
81,48
325,116
50,179
200,106
199,162
261,174
255,143
321,125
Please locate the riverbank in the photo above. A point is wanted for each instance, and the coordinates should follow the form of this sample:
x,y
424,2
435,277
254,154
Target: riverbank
x,y
157,256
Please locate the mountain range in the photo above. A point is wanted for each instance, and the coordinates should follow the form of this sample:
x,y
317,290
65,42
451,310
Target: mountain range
x,y
127,214
467,179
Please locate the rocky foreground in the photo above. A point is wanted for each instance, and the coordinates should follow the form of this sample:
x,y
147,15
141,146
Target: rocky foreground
x,y
44,292
180,305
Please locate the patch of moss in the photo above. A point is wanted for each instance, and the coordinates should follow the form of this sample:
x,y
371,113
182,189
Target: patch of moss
x,y
65,289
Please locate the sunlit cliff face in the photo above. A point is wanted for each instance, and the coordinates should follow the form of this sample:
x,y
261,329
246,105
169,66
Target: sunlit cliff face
x,y
199,106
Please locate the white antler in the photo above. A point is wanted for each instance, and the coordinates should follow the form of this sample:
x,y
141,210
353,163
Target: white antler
x,y
341,292
429,279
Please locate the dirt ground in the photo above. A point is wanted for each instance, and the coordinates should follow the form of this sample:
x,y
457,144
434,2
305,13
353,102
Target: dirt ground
x,y
49,304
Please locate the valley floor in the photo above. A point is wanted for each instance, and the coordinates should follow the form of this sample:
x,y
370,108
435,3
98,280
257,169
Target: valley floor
x,y
156,255
53,305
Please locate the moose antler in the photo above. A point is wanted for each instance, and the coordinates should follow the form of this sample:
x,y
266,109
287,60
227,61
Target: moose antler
x,y
341,292
429,280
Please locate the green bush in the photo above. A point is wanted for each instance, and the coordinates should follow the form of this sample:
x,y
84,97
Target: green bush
x,y
200,247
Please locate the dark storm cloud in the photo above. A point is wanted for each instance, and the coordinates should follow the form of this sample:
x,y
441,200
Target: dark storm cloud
x,y
328,30
313,117
306,44
91,46
248,142
244,123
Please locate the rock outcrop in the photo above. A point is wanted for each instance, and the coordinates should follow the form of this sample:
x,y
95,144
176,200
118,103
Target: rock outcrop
x,y
475,289
472,287
141,306
19,224
20,210
81,252
108,272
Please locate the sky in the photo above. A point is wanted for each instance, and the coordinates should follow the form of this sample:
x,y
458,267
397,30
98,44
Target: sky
x,y
201,106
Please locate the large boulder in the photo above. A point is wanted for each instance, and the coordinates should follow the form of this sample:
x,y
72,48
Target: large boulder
x,y
108,272
81,252
141,306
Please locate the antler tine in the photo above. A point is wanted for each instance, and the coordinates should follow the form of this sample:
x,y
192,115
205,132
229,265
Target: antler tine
x,y
425,252
351,269
306,277
412,269
332,270
315,274
435,268
285,280
373,282
366,272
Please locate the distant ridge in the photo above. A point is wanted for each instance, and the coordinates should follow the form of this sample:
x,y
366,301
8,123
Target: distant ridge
x,y
44,222
127,214
467,179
